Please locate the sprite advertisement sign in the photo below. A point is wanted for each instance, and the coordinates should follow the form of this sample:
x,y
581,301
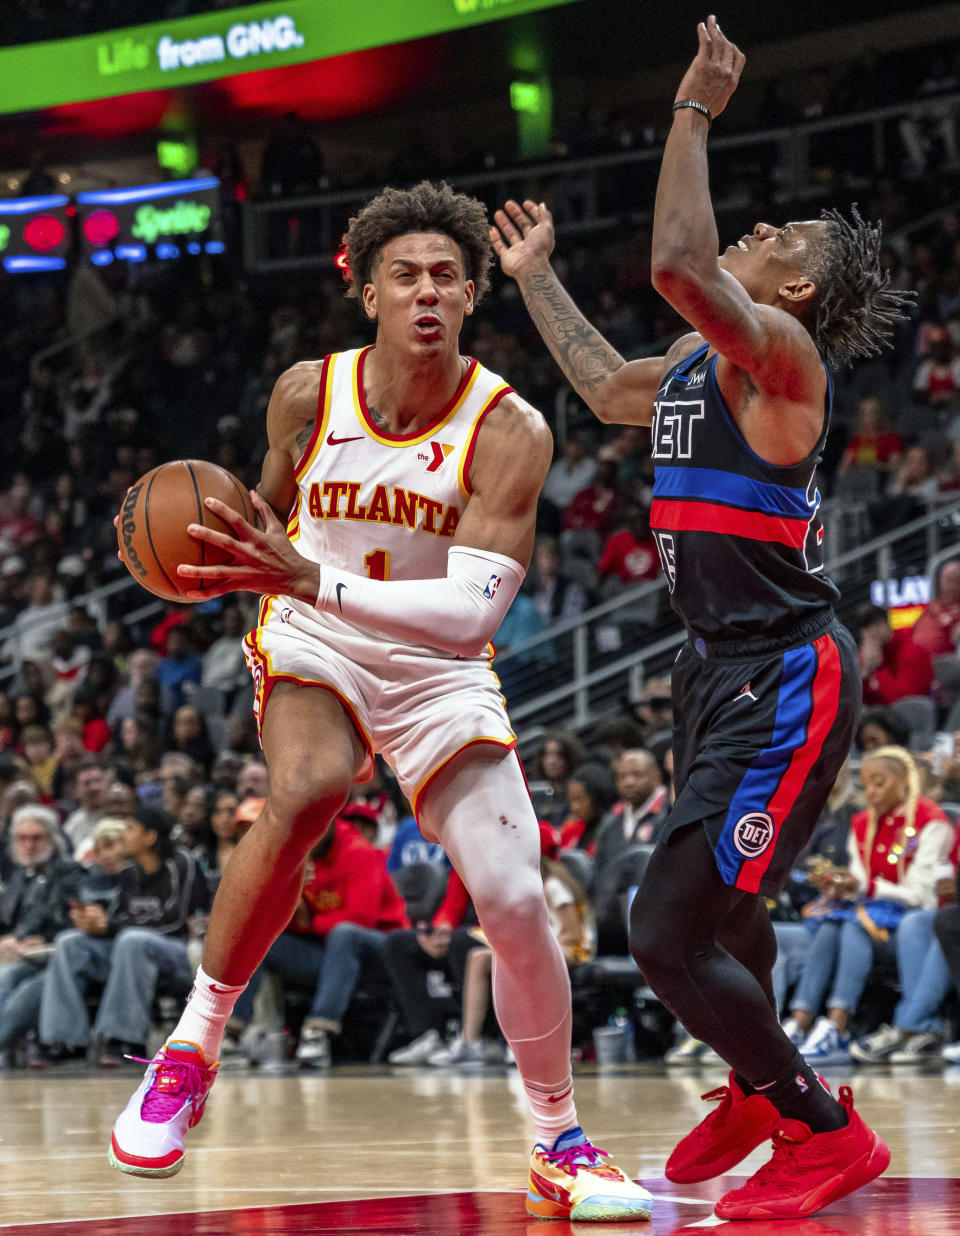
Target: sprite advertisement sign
x,y
196,49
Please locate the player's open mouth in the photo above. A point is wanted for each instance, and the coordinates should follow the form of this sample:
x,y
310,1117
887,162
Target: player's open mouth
x,y
742,244
427,326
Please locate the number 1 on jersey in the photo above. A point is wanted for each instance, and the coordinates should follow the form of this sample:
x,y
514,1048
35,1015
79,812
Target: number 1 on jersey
x,y
377,563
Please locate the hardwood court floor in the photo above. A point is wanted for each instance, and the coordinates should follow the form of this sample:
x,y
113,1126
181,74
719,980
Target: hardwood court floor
x,y
407,1153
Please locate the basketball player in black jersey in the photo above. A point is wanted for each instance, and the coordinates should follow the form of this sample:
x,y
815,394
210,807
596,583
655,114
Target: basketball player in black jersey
x,y
767,689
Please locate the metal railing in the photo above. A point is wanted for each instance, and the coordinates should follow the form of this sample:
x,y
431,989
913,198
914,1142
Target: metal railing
x,y
596,192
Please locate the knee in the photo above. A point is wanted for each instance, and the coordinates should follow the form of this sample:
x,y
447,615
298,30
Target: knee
x,y
132,941
648,946
518,909
302,806
344,935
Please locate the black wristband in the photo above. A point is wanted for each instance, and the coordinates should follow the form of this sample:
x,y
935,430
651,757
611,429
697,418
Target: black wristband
x,y
698,107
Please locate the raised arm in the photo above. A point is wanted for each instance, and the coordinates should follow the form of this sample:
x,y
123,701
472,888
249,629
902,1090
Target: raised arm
x,y
767,342
617,391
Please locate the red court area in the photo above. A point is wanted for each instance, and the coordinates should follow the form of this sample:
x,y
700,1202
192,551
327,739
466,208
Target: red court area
x,y
890,1207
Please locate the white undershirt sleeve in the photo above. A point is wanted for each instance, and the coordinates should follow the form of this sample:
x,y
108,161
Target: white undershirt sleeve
x,y
458,613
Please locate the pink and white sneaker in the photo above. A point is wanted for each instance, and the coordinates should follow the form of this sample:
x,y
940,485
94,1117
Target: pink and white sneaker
x,y
148,1135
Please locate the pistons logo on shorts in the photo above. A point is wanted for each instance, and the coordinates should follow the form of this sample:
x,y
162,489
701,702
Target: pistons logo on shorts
x,y
752,833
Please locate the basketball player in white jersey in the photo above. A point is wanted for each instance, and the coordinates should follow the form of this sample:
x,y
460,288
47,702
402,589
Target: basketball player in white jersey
x,y
408,478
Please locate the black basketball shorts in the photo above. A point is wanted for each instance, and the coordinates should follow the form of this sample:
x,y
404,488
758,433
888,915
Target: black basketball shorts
x,y
758,743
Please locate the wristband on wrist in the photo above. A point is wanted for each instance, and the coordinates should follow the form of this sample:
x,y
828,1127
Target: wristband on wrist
x,y
697,107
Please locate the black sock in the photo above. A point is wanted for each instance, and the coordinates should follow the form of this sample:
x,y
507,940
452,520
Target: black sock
x,y
797,1094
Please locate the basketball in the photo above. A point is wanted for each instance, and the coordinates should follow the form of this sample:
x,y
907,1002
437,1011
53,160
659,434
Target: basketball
x,y
152,529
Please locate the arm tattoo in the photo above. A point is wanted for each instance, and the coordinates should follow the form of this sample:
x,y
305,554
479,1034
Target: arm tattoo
x,y
377,417
582,353
304,436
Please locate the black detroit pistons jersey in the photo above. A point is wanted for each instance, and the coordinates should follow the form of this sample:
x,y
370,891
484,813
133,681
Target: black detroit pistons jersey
x,y
739,539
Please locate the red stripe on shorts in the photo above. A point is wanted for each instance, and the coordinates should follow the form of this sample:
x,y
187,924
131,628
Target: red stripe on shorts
x,y
823,712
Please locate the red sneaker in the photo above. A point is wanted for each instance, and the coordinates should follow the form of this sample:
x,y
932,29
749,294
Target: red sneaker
x,y
809,1170
723,1138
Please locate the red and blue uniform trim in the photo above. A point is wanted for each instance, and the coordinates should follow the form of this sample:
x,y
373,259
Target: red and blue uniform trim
x,y
710,500
807,707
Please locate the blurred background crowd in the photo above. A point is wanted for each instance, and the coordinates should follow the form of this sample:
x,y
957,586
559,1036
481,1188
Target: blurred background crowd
x,y
129,761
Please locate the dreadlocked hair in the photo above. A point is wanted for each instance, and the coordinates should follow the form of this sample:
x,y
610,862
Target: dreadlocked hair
x,y
427,207
856,310
899,760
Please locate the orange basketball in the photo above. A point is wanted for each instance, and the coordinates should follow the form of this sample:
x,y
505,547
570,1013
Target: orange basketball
x,y
152,529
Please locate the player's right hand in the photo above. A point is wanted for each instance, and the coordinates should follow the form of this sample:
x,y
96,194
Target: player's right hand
x,y
715,72
523,236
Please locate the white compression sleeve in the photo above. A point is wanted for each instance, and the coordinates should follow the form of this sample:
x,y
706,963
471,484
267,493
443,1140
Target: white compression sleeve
x,y
459,613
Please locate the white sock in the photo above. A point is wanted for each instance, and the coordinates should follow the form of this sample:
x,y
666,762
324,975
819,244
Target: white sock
x,y
209,1005
552,1108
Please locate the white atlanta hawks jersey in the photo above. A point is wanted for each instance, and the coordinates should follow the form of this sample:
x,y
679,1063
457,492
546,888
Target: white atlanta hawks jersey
x,y
379,504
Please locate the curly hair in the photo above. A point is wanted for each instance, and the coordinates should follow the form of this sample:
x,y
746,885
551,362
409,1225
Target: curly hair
x,y
427,207
856,311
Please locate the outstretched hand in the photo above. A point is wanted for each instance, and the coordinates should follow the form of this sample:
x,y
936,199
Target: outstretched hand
x,y
715,72
262,559
523,236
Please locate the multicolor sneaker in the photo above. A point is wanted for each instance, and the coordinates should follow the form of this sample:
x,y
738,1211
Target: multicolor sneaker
x,y
809,1170
148,1135
877,1047
724,1137
825,1045
570,1181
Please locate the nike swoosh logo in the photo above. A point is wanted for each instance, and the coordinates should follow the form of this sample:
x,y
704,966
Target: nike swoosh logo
x,y
221,991
340,588
332,441
557,1098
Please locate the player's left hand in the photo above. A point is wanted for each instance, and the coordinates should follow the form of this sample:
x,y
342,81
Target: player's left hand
x,y
523,237
715,72
262,559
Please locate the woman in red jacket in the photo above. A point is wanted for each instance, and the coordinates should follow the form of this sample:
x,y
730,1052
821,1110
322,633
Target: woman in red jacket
x,y
896,850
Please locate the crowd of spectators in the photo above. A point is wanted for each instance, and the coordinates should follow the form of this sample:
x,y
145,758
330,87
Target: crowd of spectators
x,y
129,761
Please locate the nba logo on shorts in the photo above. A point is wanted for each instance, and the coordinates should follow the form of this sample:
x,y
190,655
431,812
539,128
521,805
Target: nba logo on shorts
x,y
493,583
752,833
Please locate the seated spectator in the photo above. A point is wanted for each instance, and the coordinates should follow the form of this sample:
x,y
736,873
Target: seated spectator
x,y
348,906
180,665
139,942
896,852
34,625
426,966
568,475
630,555
938,627
590,793
874,445
37,743
69,751
142,667
571,921
136,743
891,663
224,667
189,734
560,752
64,900
89,708
599,507
89,787
639,812
881,727
936,380
917,1032
192,823
556,596
214,857
655,709
252,780
410,846
912,487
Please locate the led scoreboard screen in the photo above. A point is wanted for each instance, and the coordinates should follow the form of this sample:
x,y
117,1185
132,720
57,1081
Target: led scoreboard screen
x,y
34,232
164,221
